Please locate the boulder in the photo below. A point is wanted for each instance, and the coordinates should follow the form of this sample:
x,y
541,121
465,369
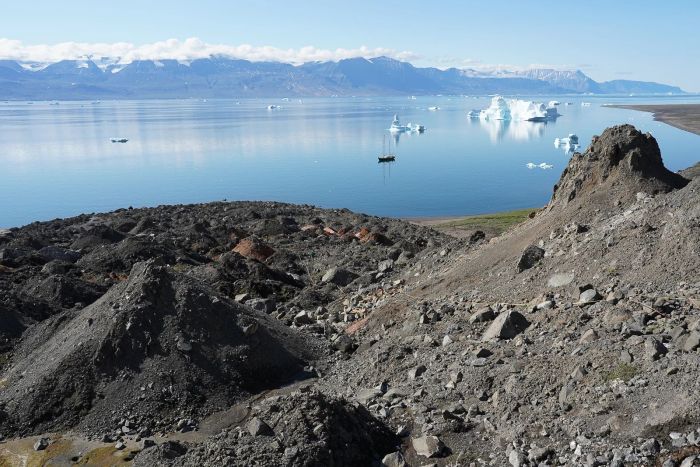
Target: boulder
x,y
257,427
506,326
530,257
427,446
482,315
252,248
339,276
692,341
394,459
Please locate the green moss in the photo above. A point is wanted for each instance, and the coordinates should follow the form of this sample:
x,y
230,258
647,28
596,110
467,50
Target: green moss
x,y
623,371
498,222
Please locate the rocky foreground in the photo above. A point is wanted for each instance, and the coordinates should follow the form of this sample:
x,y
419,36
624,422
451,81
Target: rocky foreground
x,y
272,334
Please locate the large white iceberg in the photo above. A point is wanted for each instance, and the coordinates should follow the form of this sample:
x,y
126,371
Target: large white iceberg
x,y
518,110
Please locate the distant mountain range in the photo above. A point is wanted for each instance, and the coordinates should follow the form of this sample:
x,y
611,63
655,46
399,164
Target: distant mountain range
x,y
226,77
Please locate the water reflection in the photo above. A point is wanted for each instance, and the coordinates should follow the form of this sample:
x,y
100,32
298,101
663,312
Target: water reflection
x,y
498,130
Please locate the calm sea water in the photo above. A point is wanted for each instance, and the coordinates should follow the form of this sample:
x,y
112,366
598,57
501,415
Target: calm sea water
x,y
58,161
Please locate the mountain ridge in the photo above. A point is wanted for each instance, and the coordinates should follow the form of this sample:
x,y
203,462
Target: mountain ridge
x,y
226,77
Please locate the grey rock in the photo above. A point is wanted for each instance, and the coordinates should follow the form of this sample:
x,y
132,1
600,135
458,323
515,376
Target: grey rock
x,y
506,326
417,372
427,446
530,257
366,395
565,394
41,444
588,296
147,443
653,349
257,427
692,341
588,337
482,315
561,279
394,459
516,458
302,318
339,276
266,305
626,357
386,265
53,252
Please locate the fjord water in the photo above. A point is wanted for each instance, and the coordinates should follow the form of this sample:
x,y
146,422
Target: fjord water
x,y
57,159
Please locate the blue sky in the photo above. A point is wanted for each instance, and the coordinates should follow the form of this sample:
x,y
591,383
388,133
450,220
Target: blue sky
x,y
646,40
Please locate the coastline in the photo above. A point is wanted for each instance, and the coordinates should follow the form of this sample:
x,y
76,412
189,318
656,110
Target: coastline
x,y
682,116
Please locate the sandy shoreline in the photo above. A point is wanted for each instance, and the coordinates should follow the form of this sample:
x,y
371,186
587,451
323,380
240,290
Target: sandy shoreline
x,y
683,116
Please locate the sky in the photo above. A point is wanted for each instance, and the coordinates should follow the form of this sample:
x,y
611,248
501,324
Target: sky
x,y
642,40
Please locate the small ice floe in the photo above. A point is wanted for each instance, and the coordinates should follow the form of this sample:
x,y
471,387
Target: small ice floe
x,y
571,140
434,108
474,113
543,166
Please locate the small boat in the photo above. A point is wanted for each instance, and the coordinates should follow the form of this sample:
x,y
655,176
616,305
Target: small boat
x,y
434,108
272,107
474,113
418,128
386,156
585,104
118,140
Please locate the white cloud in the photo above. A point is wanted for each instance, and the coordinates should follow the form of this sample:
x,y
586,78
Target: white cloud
x,y
189,49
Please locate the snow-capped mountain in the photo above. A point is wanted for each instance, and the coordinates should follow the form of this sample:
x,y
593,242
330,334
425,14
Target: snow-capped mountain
x,y
105,77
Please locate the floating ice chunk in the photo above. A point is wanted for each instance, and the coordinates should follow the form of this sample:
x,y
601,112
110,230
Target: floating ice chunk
x,y
518,110
571,140
543,165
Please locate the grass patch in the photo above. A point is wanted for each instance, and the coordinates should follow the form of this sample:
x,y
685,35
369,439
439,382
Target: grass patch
x,y
623,371
496,223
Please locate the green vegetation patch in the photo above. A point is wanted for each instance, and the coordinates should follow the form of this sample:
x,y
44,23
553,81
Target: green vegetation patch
x,y
623,371
497,223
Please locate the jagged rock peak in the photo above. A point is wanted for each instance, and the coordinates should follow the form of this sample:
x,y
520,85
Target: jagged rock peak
x,y
619,163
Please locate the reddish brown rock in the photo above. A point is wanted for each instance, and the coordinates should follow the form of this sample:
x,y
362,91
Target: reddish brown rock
x,y
254,249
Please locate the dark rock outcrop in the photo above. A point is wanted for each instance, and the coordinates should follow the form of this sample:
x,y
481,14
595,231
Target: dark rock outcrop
x,y
619,163
158,330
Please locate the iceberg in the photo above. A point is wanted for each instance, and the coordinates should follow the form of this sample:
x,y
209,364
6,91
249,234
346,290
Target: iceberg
x,y
543,165
570,143
518,110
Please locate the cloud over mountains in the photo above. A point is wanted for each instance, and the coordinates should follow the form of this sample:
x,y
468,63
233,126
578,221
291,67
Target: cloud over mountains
x,y
189,49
